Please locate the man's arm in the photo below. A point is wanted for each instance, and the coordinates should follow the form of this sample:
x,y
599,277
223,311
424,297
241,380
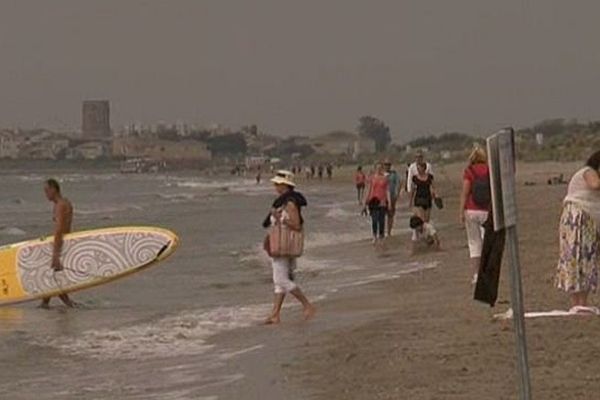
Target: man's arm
x,y
398,186
409,179
59,231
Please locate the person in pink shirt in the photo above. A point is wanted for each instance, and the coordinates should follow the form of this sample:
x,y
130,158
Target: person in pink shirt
x,y
377,200
360,179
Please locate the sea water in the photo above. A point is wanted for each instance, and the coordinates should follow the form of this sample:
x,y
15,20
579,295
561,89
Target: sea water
x,y
156,334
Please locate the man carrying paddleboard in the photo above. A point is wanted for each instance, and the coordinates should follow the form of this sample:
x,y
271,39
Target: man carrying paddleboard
x,y
63,218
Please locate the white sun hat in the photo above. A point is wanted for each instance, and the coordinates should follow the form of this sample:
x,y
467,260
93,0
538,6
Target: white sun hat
x,y
283,177
285,173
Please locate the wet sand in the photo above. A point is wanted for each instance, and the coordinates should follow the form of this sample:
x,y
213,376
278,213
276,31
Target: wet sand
x,y
427,338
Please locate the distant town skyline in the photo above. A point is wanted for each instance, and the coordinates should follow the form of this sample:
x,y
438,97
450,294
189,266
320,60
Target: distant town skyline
x,y
422,66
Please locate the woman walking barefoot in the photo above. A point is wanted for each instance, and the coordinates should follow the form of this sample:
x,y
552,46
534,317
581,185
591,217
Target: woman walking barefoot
x,y
423,193
474,205
577,272
286,212
377,201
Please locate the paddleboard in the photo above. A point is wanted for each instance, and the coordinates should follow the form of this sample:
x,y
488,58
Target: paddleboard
x,y
90,258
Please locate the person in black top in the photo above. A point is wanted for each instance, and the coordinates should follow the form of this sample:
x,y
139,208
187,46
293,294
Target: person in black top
x,y
423,193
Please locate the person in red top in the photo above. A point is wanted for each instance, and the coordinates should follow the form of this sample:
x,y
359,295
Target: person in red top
x,y
360,179
475,204
377,201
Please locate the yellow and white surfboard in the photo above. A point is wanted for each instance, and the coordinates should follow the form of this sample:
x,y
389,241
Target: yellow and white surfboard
x,y
89,258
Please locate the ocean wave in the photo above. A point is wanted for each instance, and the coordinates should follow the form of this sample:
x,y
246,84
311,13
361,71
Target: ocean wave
x,y
245,187
203,184
14,200
337,204
255,256
31,178
340,213
410,268
321,239
71,178
106,210
12,231
173,336
176,197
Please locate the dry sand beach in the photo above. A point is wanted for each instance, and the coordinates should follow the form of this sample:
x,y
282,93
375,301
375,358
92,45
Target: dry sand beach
x,y
430,340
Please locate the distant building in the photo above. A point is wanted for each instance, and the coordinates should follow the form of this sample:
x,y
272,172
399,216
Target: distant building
x,y
95,119
87,151
363,146
9,144
256,161
44,145
340,143
539,139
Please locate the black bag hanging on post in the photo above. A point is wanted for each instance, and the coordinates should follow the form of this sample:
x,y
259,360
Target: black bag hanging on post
x,y
488,279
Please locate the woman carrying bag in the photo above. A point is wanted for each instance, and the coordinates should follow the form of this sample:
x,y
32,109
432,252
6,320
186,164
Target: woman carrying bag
x,y
285,243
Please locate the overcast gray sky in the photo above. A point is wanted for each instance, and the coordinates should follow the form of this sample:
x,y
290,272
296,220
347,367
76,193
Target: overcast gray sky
x,y
295,67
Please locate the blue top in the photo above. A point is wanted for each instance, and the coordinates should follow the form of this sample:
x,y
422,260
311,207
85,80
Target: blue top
x,y
393,182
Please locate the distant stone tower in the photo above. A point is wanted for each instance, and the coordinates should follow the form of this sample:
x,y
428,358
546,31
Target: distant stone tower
x,y
95,119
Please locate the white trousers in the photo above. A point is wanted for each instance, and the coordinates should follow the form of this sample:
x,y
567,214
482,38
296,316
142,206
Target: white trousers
x,y
283,274
474,221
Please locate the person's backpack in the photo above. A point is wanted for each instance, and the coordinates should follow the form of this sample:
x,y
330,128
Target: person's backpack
x,y
481,190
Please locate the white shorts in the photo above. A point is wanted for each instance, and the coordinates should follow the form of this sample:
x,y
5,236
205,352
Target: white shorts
x,y
283,274
474,221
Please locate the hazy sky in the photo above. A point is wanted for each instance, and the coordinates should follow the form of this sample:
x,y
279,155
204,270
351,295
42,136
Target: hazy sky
x,y
295,67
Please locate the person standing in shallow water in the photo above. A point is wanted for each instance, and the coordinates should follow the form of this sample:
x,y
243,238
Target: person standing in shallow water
x,y
579,236
286,209
423,193
63,218
376,201
360,180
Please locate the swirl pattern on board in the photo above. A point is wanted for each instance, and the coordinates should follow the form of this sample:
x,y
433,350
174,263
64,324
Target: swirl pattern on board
x,y
87,259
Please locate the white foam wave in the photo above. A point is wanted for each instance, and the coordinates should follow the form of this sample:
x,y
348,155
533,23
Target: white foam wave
x,y
176,196
255,255
214,184
245,187
386,276
338,204
183,334
251,189
320,239
340,213
106,210
31,178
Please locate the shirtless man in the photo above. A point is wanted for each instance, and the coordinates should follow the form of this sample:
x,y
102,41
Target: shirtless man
x,y
63,217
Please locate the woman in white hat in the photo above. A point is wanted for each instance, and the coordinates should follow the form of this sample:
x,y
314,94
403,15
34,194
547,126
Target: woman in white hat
x,y
285,219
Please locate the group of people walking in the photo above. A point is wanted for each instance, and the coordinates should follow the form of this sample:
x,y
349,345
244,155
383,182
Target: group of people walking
x,y
378,193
